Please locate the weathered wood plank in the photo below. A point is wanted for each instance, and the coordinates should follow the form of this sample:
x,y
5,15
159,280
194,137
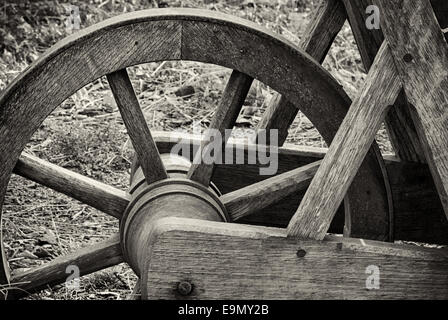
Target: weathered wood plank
x,y
258,196
368,41
94,193
90,259
402,132
134,120
266,264
225,117
346,153
420,53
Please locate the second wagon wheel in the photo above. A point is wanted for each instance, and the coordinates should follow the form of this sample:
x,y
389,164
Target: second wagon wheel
x,y
108,48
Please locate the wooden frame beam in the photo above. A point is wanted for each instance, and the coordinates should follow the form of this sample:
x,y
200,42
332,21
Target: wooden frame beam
x,y
266,264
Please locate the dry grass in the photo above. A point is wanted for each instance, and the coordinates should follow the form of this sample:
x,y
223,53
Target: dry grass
x,y
86,134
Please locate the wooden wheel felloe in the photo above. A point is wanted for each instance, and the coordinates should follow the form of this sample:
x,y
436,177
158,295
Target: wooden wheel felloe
x,y
153,224
155,35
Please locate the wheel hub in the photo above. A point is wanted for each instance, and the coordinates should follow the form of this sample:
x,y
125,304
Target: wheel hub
x,y
176,196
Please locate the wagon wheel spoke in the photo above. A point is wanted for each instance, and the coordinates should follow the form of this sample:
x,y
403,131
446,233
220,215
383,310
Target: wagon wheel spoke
x,y
279,114
326,22
134,120
245,201
91,192
225,117
90,259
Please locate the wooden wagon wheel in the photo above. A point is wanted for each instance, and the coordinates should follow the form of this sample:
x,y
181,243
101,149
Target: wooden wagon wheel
x,y
108,48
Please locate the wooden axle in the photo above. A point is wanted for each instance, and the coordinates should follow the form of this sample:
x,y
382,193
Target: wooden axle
x,y
176,196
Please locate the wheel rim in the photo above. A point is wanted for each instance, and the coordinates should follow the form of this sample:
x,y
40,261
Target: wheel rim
x,y
156,35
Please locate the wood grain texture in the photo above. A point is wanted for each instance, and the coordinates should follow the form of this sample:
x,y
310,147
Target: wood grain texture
x,y
179,197
357,132
369,185
368,41
325,24
157,35
231,177
94,193
90,259
134,120
224,118
418,213
264,264
150,35
402,132
421,56
258,196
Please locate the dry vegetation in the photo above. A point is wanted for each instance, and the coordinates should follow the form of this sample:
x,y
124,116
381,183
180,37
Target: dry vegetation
x,y
86,134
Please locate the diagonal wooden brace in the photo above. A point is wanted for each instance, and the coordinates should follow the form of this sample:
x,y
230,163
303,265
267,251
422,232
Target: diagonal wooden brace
x,y
420,65
347,151
372,221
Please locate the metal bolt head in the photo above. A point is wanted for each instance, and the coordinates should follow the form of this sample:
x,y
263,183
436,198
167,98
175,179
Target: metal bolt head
x,y
184,288
408,58
301,253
